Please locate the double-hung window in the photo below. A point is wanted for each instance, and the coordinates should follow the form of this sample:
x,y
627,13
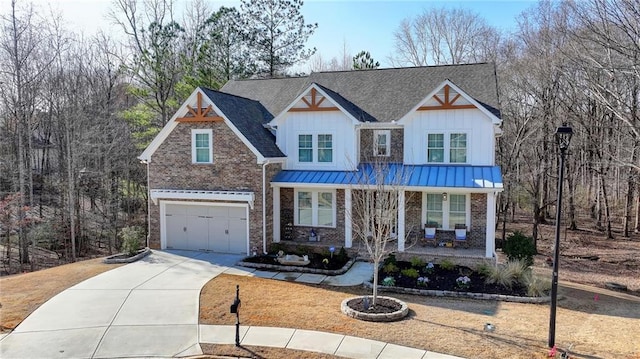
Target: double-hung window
x,y
305,148
381,143
458,148
435,147
201,146
447,147
315,208
325,148
446,211
315,148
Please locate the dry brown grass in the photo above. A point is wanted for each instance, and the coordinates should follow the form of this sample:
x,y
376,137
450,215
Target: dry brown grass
x,y
21,294
603,328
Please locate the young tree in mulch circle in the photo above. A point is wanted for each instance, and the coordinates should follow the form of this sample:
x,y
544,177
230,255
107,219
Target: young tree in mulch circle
x,y
375,203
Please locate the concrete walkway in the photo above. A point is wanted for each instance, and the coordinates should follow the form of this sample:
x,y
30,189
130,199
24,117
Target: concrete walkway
x,y
150,309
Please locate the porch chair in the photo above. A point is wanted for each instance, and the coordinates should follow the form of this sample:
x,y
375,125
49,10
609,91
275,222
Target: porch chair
x,y
460,236
430,234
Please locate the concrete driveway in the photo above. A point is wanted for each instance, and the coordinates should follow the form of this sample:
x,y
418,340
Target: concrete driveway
x,y
144,309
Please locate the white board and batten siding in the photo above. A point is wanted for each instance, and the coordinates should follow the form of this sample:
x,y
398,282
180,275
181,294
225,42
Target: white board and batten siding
x,y
335,123
477,126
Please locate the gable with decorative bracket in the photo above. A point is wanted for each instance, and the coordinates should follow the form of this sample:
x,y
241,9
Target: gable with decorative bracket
x,y
446,99
200,113
313,101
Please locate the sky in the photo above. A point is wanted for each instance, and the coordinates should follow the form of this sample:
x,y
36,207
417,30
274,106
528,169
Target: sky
x,y
360,24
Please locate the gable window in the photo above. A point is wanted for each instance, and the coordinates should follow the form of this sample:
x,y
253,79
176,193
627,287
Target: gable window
x,y
315,208
447,148
325,148
447,211
305,148
458,148
201,146
435,147
381,143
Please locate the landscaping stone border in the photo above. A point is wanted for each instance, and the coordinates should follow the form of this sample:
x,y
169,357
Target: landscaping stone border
x,y
123,258
299,269
375,317
448,293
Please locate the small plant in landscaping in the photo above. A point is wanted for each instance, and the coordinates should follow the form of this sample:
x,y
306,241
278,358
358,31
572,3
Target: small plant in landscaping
x,y
390,268
410,273
429,268
342,255
390,259
131,239
537,286
484,269
417,262
388,282
423,281
519,246
463,282
508,274
447,264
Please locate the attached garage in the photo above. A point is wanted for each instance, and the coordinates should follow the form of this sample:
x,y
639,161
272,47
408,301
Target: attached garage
x,y
218,227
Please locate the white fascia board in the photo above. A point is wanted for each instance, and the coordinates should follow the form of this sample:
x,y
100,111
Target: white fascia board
x,y
232,196
494,119
276,120
454,190
166,130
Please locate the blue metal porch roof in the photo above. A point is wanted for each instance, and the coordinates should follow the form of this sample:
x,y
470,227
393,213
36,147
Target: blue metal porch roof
x,y
450,176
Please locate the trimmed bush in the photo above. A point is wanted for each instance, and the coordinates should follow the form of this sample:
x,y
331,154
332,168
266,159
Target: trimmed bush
x,y
518,246
131,238
390,268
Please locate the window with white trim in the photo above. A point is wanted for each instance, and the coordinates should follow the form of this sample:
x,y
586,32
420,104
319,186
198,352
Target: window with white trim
x,y
381,143
446,213
325,148
315,148
202,146
447,147
458,148
315,208
305,148
435,147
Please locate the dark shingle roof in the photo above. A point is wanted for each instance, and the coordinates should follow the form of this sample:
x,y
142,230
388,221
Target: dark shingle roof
x,y
355,111
248,116
385,94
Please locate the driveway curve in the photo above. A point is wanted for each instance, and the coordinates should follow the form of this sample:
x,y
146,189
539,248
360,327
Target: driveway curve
x,y
144,309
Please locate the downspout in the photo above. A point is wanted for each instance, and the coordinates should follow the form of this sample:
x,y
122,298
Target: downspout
x,y
264,206
148,204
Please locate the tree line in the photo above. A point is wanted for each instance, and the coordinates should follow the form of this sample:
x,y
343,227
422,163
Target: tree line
x,y
76,111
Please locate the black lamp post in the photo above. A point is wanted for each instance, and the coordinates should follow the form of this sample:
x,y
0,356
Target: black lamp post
x,y
563,138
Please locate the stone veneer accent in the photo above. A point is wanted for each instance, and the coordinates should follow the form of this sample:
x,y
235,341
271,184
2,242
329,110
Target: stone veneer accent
x,y
397,146
234,167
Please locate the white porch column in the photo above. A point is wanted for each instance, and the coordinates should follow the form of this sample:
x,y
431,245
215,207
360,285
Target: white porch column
x,y
491,225
348,229
276,214
401,237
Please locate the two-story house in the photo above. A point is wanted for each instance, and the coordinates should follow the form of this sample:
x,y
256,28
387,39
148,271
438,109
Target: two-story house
x,y
262,161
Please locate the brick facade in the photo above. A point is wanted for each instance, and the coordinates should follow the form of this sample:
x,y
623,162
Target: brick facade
x,y
397,147
234,167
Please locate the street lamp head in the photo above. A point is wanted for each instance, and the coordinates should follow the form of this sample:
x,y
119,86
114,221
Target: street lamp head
x,y
563,137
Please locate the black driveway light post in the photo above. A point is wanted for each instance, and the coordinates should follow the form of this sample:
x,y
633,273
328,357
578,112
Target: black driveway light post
x,y
235,308
563,138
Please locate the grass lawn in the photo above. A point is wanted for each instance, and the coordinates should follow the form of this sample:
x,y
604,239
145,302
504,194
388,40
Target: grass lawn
x,y
21,294
602,326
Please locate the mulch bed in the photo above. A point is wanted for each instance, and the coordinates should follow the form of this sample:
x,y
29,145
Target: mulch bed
x,y
316,260
383,305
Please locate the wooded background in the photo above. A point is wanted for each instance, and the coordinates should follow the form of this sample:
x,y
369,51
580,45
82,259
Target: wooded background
x,y
76,111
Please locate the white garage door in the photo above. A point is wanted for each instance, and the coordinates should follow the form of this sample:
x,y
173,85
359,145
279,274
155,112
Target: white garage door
x,y
198,227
